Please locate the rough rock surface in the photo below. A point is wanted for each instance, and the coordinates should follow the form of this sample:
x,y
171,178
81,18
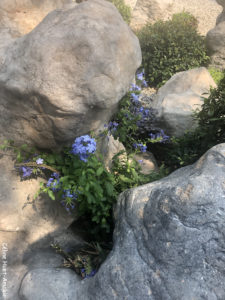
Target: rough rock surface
x,y
109,147
147,162
168,241
216,40
176,100
49,284
28,227
206,11
66,76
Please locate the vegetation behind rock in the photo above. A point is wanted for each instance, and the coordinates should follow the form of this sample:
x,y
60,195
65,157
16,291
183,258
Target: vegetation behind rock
x,y
170,47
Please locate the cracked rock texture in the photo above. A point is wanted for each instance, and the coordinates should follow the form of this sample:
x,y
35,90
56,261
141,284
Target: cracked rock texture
x,y
66,77
169,241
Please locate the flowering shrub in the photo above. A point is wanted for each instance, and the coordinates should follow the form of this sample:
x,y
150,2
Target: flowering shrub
x,y
135,124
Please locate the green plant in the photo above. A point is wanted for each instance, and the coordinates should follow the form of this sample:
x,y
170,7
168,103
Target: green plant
x,y
135,124
123,9
86,184
128,172
216,74
170,47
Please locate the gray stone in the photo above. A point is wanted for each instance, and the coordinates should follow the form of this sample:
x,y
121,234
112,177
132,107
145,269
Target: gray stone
x,y
146,11
179,97
150,11
169,238
147,162
215,40
109,147
66,77
49,284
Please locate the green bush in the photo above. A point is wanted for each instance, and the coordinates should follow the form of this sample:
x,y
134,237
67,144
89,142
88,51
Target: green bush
x,y
170,47
123,9
216,74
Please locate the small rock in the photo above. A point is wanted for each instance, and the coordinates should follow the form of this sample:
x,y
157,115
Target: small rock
x,y
176,100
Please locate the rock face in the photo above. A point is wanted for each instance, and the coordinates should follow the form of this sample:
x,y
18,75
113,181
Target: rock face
x,y
169,237
20,17
176,100
206,11
168,241
27,227
109,147
65,77
150,11
216,40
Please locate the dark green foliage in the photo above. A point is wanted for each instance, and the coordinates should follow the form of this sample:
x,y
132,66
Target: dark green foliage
x,y
123,9
170,47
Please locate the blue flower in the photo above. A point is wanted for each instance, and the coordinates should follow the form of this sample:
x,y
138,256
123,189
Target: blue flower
x,y
85,275
141,147
83,146
27,171
56,175
140,76
40,161
135,87
50,181
160,136
144,83
134,97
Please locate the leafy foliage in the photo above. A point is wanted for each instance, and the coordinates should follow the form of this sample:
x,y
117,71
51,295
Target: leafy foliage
x,y
170,47
89,184
128,172
216,74
123,9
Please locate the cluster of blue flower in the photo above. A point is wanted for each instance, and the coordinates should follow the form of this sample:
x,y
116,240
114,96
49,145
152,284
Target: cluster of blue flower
x,y
146,117
84,146
160,136
140,147
27,171
112,126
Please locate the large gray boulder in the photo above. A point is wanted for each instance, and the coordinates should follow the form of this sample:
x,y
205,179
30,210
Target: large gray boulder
x,y
66,77
216,40
179,97
168,241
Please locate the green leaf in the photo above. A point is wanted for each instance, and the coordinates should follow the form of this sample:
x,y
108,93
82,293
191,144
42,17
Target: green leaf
x,y
51,194
99,171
